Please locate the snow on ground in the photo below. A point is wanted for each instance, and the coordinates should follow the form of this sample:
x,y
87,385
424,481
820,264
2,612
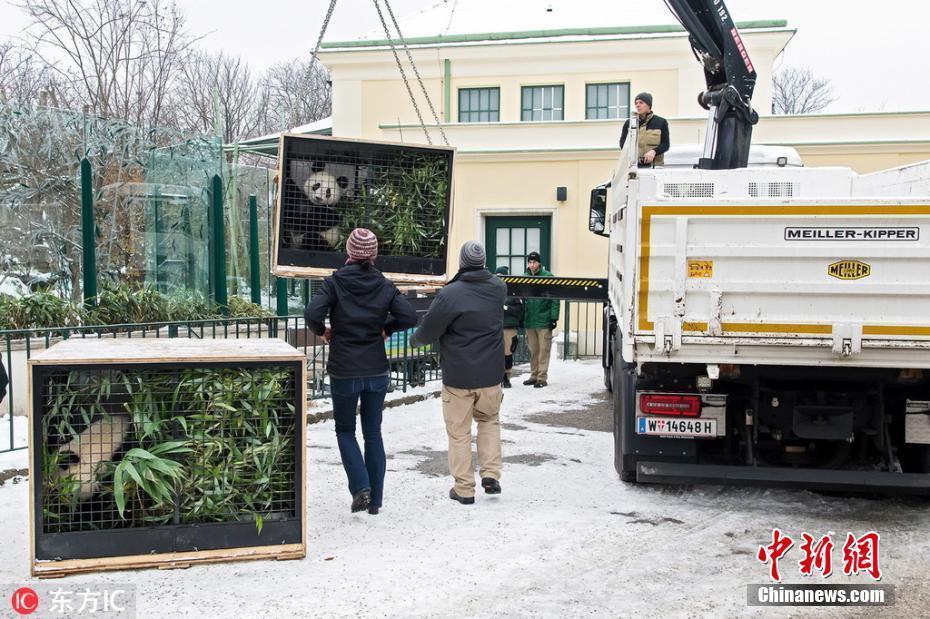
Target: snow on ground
x,y
19,433
566,537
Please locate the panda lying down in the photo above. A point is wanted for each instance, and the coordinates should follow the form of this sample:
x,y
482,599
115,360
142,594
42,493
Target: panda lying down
x,y
81,457
311,221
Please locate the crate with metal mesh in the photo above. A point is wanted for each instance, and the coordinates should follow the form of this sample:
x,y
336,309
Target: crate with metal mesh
x,y
328,186
166,451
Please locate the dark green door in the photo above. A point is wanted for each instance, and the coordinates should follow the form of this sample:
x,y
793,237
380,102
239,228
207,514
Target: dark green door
x,y
510,239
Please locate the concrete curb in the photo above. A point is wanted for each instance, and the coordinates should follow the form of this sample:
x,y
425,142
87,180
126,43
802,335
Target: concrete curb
x,y
410,399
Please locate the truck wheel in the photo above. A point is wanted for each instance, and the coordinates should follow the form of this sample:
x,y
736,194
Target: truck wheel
x,y
619,403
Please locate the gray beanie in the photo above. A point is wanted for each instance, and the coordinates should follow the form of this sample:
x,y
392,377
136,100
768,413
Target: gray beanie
x,y
472,255
645,97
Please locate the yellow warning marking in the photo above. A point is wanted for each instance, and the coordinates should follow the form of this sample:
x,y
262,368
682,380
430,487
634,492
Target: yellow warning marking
x,y
550,281
701,268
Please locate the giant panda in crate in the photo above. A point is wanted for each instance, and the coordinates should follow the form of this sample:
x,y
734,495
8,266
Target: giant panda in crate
x,y
310,207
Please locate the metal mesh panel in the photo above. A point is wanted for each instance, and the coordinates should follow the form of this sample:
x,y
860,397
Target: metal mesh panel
x,y
400,193
135,448
781,190
688,190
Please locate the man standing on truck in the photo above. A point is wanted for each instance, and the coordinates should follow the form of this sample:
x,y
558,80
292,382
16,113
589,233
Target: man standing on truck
x,y
653,140
513,320
540,317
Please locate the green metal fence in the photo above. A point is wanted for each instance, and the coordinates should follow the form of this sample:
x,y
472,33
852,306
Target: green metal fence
x,y
409,367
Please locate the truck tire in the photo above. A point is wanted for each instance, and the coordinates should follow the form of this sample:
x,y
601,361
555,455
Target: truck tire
x,y
619,404
607,348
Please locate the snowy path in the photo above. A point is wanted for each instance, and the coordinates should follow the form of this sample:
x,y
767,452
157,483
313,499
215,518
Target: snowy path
x,y
565,538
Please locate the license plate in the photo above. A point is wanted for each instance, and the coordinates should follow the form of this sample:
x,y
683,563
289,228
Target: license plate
x,y
677,428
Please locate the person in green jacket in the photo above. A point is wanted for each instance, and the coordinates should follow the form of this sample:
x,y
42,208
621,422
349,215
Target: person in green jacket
x,y
540,317
513,320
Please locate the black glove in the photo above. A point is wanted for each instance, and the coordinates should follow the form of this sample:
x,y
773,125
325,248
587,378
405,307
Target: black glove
x,y
513,345
552,324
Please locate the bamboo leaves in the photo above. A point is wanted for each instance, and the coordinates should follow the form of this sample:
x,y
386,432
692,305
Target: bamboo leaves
x,y
206,445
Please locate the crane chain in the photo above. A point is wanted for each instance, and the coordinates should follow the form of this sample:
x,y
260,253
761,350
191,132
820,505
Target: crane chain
x,y
319,41
413,65
403,74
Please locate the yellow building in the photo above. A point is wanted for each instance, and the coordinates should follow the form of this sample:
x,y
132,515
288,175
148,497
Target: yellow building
x,y
531,111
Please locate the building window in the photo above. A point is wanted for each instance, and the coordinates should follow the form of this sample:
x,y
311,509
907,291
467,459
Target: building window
x,y
479,105
543,103
608,101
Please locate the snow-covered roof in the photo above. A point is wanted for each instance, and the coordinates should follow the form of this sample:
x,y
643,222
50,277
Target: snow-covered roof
x,y
453,20
268,144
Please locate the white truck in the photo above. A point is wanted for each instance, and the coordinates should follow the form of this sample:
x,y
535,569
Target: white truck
x,y
769,324
765,324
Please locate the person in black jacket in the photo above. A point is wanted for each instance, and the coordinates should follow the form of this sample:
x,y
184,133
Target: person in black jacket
x,y
467,318
364,309
513,320
653,138
4,381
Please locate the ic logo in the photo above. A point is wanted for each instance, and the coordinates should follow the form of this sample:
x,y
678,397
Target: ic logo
x,y
25,601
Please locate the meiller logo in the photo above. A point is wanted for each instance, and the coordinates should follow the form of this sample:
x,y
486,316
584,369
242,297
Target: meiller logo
x,y
849,269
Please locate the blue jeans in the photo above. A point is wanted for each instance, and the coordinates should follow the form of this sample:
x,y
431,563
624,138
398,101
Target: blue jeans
x,y
367,472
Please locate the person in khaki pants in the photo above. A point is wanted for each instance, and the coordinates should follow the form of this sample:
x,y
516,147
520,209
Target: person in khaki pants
x,y
540,317
467,319
513,319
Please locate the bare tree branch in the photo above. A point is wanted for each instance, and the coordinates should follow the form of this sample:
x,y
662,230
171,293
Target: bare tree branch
x,y
796,90
122,55
295,93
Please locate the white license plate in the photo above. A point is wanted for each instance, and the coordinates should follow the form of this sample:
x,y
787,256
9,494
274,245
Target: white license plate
x,y
677,428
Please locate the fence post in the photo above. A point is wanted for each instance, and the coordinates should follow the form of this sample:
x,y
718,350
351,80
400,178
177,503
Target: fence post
x,y
281,290
219,247
88,235
254,269
568,324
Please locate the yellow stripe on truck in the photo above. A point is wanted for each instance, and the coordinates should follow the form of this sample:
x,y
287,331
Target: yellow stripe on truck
x,y
844,209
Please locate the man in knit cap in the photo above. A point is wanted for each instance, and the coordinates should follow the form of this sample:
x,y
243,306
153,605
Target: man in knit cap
x,y
652,133
467,319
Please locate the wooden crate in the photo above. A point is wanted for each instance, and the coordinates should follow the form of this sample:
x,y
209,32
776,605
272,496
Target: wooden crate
x,y
230,415
327,186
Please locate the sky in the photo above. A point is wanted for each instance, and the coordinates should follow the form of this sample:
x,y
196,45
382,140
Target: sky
x,y
878,60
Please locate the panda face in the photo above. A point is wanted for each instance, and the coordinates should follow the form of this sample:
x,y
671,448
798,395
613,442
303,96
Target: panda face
x,y
324,189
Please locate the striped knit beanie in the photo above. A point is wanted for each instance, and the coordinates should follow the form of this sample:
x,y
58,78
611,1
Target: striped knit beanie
x,y
362,246
472,255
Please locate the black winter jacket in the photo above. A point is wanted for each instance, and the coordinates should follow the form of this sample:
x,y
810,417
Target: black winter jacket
x,y
360,303
513,313
4,381
467,318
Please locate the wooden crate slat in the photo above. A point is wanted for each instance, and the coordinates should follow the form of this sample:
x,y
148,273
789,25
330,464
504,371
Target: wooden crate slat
x,y
165,350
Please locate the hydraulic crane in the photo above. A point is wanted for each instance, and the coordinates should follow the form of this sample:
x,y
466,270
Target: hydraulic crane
x,y
730,78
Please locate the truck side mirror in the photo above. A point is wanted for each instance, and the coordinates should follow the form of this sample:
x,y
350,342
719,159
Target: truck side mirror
x,y
597,213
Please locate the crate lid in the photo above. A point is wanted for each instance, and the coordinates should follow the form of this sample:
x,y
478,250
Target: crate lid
x,y
165,350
